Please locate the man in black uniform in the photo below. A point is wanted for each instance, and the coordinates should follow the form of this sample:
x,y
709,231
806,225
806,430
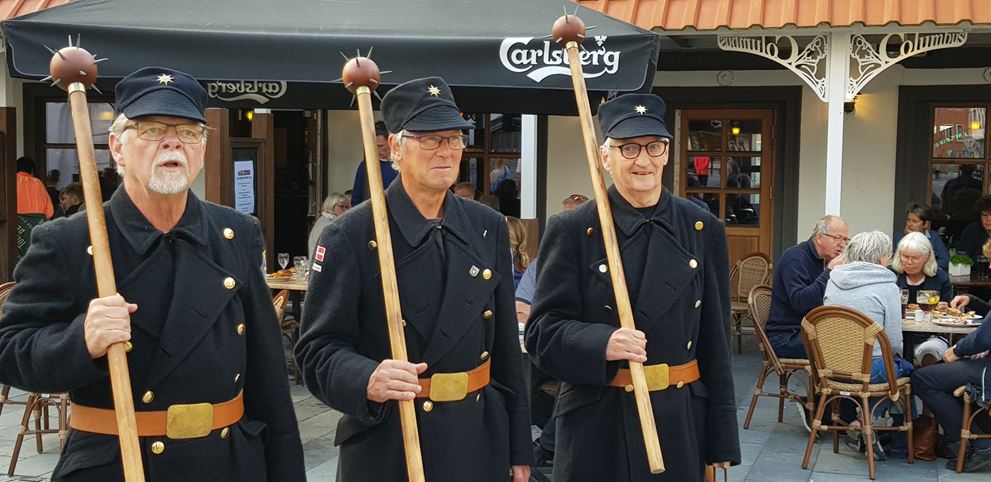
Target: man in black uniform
x,y
456,290
193,311
675,259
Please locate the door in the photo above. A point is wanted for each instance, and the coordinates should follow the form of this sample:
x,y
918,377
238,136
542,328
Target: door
x,y
726,161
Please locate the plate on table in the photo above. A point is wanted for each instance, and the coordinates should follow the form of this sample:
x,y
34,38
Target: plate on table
x,y
963,322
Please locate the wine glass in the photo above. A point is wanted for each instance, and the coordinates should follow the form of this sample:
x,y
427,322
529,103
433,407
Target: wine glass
x,y
283,260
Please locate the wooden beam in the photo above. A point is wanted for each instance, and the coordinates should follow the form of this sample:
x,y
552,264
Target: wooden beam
x,y
218,169
263,127
8,192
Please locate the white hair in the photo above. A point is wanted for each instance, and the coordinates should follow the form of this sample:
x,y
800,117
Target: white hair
x,y
915,243
870,247
394,154
822,225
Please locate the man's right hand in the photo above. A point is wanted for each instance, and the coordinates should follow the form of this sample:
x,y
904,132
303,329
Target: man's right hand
x,y
836,262
959,302
394,380
627,344
108,321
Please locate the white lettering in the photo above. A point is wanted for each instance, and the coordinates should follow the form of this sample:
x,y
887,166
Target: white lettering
x,y
258,91
546,59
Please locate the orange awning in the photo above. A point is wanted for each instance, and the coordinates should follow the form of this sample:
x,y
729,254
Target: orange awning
x,y
741,14
16,8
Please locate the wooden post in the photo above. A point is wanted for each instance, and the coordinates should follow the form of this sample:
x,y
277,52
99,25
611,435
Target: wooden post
x,y
218,171
263,127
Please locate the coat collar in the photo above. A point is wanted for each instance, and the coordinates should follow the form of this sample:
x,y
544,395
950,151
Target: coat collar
x,y
629,219
413,226
142,236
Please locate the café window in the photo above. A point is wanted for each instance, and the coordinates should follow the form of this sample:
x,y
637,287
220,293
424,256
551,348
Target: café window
x,y
492,158
958,162
60,144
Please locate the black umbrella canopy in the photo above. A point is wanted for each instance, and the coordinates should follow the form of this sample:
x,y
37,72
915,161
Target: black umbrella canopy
x,y
287,54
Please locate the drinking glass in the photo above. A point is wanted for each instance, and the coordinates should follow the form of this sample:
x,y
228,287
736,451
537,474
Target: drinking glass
x,y
904,294
302,265
283,260
927,299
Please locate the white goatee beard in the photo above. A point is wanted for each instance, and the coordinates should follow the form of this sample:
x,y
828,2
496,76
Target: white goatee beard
x,y
163,182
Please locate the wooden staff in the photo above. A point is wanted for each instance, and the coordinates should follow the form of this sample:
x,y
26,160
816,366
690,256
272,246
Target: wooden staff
x,y
568,31
361,76
74,70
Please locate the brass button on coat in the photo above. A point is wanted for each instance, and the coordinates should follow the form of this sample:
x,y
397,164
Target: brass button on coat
x,y
689,345
228,233
237,376
484,355
589,231
229,283
89,250
372,244
226,432
699,225
240,328
157,447
148,396
487,273
128,346
428,406
628,388
698,303
603,268
607,308
680,384
487,314
694,264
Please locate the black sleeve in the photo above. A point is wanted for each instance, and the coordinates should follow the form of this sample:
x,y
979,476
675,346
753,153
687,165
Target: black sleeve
x,y
42,346
266,387
978,305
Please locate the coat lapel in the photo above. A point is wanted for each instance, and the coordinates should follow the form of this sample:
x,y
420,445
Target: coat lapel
x,y
196,306
410,271
464,297
666,277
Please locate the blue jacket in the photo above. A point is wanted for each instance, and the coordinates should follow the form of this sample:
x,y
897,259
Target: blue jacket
x,y
977,342
359,191
799,285
939,247
972,240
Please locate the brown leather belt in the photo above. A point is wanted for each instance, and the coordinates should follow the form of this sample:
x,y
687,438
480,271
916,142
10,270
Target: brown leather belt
x,y
451,387
659,377
178,422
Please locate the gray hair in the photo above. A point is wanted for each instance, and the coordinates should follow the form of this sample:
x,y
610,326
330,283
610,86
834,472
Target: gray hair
x,y
119,127
822,225
869,247
332,200
394,155
915,243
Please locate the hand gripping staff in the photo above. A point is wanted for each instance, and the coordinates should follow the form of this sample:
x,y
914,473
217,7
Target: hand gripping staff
x,y
568,31
361,76
74,69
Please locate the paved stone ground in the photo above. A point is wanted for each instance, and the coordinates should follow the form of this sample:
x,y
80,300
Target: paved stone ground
x,y
772,452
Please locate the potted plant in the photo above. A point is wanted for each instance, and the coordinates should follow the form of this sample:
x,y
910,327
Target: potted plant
x,y
960,265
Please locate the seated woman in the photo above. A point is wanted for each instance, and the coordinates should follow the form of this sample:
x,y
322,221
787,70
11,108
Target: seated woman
x,y
915,265
918,220
865,284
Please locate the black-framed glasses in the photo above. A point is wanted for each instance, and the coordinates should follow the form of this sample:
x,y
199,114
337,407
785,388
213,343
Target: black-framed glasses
x,y
430,143
838,238
631,150
156,131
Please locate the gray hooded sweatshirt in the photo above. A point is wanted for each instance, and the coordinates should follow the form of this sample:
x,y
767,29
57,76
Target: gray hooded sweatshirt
x,y
869,288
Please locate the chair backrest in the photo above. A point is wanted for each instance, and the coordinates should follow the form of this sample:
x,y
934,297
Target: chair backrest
x,y
840,342
759,302
5,292
280,300
754,269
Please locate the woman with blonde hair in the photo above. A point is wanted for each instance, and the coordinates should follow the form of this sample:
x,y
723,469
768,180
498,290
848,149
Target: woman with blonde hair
x,y
518,247
333,206
915,264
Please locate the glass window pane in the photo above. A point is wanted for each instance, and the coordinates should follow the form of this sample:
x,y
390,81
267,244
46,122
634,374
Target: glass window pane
x,y
67,163
58,123
743,208
476,136
703,171
955,188
705,135
744,135
503,170
505,132
710,199
958,132
743,172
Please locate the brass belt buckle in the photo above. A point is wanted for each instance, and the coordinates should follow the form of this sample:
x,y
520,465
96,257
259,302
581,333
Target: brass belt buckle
x,y
658,377
448,387
189,421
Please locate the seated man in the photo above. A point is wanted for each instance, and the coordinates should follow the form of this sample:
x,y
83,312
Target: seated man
x,y
800,282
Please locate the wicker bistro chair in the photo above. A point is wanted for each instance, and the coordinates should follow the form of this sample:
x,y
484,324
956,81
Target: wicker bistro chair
x,y
760,305
969,415
841,341
752,270
290,331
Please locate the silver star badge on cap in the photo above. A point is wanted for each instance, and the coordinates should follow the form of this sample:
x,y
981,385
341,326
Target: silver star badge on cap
x,y
164,79
433,90
640,109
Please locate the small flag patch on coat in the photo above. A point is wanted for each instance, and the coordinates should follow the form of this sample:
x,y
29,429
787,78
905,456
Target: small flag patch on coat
x,y
319,253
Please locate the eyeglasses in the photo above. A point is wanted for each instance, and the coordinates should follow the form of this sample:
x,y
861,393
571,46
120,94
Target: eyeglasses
x,y
156,131
430,143
631,150
838,238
